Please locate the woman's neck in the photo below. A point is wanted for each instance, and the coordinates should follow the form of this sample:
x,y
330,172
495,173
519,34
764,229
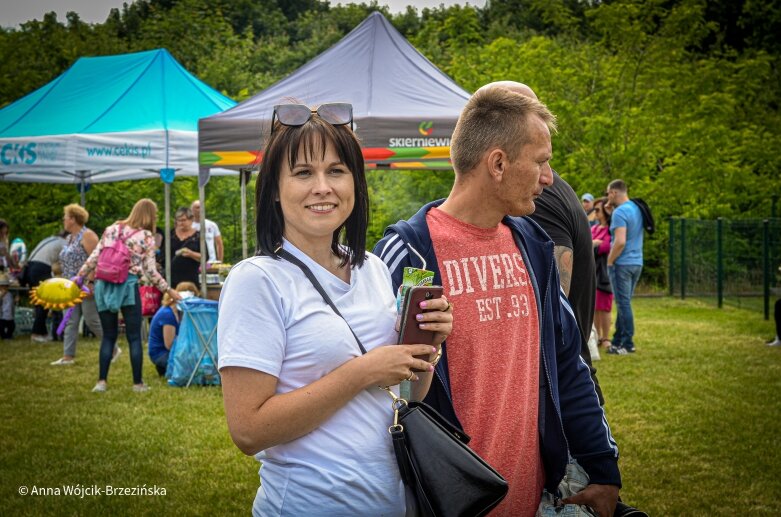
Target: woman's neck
x,y
322,253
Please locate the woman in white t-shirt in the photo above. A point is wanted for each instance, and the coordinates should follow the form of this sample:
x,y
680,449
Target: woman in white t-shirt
x,y
298,392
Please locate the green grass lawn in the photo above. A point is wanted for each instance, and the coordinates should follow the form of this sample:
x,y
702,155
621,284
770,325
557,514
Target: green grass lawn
x,y
696,412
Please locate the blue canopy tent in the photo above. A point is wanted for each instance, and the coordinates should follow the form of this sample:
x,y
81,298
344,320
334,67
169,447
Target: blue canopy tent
x,y
109,118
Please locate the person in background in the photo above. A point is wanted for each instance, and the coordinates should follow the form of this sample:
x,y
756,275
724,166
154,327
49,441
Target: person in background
x,y
18,251
165,326
7,261
137,232
185,248
7,323
624,263
160,250
79,245
587,201
39,268
212,236
298,391
558,211
600,234
777,318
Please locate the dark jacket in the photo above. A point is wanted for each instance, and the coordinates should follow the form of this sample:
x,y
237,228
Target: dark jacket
x,y
571,421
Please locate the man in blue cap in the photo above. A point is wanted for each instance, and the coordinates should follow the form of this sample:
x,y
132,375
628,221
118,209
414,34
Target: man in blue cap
x,y
587,200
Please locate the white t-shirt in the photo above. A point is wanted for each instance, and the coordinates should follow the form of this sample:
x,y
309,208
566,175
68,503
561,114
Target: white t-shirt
x,y
273,320
212,231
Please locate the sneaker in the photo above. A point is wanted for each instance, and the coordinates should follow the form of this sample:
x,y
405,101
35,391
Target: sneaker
x,y
40,339
617,350
117,351
141,388
61,362
775,342
100,387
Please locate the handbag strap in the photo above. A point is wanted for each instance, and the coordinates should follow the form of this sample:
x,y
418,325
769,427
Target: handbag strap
x,y
291,258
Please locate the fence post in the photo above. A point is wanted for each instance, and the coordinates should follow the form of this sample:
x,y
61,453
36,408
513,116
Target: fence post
x,y
766,264
683,258
671,257
720,261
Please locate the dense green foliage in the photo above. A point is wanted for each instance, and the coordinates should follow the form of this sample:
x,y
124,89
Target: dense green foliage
x,y
680,98
694,411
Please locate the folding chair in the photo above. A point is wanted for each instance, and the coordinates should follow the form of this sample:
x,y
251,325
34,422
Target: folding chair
x,y
193,357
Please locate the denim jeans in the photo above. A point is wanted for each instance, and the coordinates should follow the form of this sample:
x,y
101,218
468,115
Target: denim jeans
x,y
109,322
624,279
161,363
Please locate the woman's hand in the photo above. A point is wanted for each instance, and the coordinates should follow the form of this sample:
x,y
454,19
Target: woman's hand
x,y
174,294
389,365
191,254
597,243
438,318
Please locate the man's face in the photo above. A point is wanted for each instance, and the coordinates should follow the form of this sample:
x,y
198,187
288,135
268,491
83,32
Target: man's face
x,y
611,197
196,209
587,205
530,172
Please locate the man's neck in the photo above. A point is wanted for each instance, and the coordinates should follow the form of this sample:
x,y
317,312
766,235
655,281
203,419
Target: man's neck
x,y
620,200
469,205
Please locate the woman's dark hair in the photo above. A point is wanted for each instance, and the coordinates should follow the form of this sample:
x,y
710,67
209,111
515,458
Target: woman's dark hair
x,y
311,138
601,202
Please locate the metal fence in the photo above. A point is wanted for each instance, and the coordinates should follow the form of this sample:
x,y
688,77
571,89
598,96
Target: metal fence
x,y
729,261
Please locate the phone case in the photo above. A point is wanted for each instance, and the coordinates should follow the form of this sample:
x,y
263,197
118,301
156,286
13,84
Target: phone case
x,y
409,332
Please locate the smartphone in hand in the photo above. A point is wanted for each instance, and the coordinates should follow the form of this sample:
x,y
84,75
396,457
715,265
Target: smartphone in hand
x,y
409,331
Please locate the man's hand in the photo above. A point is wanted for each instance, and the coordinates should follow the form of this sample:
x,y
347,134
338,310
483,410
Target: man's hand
x,y
601,498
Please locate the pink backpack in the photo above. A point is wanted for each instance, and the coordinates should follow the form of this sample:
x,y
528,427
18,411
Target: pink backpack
x,y
114,261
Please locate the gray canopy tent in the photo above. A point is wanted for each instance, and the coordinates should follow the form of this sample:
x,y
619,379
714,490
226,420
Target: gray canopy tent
x,y
405,108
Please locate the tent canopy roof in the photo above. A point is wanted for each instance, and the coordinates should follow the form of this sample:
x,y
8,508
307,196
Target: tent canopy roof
x,y
395,91
108,118
131,92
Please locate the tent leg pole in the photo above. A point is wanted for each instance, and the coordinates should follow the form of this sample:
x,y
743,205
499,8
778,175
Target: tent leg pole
x,y
83,194
244,176
204,251
167,237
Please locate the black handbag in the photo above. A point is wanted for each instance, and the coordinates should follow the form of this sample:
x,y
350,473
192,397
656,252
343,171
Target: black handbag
x,y
446,476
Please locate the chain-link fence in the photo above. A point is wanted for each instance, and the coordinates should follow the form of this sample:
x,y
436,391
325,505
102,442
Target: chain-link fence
x,y
727,261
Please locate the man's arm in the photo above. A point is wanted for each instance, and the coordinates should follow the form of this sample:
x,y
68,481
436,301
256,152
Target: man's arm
x,y
218,247
585,425
617,247
563,256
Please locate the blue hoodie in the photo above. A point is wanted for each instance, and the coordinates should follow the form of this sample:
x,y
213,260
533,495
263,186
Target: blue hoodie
x,y
571,421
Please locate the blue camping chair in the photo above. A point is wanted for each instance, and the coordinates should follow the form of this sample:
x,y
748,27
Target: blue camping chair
x,y
193,358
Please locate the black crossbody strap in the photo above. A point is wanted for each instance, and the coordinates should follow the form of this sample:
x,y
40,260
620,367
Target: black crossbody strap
x,y
290,258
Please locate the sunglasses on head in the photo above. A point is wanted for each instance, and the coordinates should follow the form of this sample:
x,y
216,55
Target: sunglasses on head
x,y
335,113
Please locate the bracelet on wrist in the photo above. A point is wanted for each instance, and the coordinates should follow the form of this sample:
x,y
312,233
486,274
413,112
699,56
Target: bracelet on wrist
x,y
438,357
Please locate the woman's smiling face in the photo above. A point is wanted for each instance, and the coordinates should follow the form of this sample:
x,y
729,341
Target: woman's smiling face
x,y
316,195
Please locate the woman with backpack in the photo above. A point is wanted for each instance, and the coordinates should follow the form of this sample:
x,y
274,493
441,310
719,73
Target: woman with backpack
x,y
124,253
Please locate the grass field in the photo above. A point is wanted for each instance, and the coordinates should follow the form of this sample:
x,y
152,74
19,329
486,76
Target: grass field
x,y
696,412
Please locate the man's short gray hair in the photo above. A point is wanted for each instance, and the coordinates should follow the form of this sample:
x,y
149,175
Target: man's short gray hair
x,y
494,118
